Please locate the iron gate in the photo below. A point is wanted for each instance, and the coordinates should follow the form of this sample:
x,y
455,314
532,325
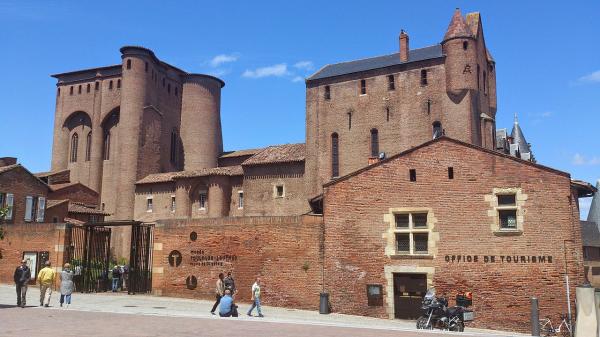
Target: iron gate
x,y
140,261
87,249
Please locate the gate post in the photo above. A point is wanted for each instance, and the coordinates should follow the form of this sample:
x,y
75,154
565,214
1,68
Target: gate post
x,y
535,317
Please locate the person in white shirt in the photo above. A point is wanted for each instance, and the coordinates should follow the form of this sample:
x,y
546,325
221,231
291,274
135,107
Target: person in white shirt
x,y
256,298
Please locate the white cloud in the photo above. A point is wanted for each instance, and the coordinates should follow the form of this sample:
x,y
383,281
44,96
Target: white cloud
x,y
580,160
546,114
590,78
276,70
223,58
304,65
298,79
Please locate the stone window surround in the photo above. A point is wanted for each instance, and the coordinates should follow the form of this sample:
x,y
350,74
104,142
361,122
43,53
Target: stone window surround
x,y
240,198
520,201
275,195
173,205
390,234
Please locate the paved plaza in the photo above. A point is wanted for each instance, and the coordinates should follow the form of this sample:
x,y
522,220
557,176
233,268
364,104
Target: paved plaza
x,y
142,315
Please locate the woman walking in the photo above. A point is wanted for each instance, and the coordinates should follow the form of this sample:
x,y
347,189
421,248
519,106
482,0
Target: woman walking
x,y
66,285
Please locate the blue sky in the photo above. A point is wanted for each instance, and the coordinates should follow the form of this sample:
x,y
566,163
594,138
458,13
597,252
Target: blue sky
x,y
547,54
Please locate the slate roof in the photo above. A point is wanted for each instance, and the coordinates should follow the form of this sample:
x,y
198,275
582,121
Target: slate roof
x,y
171,176
594,214
287,153
240,153
350,67
590,234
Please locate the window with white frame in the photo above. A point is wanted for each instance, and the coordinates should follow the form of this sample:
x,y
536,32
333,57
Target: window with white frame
x,y
279,191
149,204
240,199
507,211
411,233
7,201
172,203
30,208
203,200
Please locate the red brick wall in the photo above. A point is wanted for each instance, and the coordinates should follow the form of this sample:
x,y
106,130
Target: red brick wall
x,y
21,183
20,238
354,221
278,249
76,193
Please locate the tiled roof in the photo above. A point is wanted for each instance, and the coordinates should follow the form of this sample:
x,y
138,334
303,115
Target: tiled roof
x,y
350,67
278,154
49,173
170,176
52,203
458,27
590,234
8,167
56,187
76,207
239,153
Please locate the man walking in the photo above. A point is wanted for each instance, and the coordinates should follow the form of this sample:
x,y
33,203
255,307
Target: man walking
x,y
220,289
46,280
229,283
256,298
21,277
116,275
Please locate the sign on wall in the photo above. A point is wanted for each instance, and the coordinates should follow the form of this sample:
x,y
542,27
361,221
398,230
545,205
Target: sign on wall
x,y
523,259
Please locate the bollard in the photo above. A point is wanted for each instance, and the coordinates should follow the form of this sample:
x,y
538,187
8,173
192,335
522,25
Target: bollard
x,y
535,317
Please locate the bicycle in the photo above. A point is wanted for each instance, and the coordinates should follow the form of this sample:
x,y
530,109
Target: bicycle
x,y
547,329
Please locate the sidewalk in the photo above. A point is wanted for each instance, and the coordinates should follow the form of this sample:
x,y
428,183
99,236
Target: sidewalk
x,y
147,305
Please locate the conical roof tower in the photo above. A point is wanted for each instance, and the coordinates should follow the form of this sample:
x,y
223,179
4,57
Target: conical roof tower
x,y
594,214
519,138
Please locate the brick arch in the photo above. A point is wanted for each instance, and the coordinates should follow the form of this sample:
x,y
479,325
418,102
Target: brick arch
x,y
109,124
77,118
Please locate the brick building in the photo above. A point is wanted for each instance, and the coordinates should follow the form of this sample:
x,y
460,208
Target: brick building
x,y
402,157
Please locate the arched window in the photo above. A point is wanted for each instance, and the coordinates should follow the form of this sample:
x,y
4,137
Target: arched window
x,y
106,146
88,88
129,64
465,45
335,160
174,146
437,130
88,146
74,143
374,143
58,92
118,83
110,85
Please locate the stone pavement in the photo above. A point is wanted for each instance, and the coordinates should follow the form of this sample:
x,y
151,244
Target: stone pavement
x,y
142,315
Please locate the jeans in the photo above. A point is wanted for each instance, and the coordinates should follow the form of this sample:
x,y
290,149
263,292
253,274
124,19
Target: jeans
x,y
255,304
65,299
115,284
218,297
21,294
43,290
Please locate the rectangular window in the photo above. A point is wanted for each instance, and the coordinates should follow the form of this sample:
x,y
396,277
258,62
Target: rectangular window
x,y
241,199
10,199
88,88
79,89
403,243
391,84
28,208
402,220
363,87
450,173
374,295
327,92
149,204
110,85
423,77
508,219
146,67
203,198
413,174
71,90
279,191
97,86
41,207
420,242
419,220
506,200
172,203
595,271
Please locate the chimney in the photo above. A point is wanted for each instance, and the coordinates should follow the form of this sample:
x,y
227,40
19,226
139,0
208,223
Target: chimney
x,y
5,161
403,46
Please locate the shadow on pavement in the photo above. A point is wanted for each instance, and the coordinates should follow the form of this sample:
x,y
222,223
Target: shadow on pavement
x,y
8,306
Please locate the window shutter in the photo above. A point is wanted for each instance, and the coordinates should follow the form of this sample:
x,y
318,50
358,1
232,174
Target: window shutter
x,y
28,208
9,203
41,209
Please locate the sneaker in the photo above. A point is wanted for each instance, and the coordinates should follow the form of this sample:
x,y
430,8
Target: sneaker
x,y
61,305
249,314
261,315
47,305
